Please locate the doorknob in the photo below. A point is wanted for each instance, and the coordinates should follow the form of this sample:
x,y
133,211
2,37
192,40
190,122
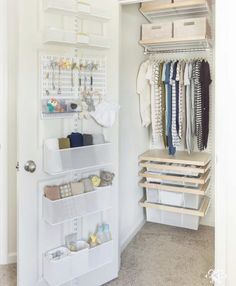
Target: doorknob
x,y
30,166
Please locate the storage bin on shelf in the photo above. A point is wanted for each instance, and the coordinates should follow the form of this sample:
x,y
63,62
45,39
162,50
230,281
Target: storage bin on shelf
x,y
157,31
81,158
174,199
58,272
59,211
175,216
192,29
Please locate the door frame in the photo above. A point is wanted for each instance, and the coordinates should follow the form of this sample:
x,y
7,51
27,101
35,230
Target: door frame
x,y
4,132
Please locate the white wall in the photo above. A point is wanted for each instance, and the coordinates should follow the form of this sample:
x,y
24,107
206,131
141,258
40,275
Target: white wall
x,y
133,138
12,131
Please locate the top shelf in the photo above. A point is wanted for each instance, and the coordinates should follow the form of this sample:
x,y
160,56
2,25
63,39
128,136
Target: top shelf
x,y
154,11
182,157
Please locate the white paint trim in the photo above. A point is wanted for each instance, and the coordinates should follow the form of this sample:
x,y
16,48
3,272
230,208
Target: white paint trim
x,y
3,133
131,235
12,258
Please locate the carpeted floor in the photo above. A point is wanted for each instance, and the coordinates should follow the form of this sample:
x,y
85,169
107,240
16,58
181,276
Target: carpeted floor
x,y
8,275
167,256
158,256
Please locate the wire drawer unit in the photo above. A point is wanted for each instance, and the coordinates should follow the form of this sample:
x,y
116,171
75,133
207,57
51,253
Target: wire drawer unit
x,y
175,187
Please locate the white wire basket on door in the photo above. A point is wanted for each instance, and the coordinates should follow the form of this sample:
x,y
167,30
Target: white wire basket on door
x,y
59,211
77,264
82,158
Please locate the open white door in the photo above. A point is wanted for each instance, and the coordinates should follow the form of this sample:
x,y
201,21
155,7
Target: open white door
x,y
37,234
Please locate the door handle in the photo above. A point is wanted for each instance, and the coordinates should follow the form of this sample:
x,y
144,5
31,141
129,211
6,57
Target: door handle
x,y
30,166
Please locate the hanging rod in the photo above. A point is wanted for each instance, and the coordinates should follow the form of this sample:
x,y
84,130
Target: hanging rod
x,y
148,52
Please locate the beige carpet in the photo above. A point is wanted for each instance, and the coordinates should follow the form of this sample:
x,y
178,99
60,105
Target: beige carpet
x,y
167,256
8,275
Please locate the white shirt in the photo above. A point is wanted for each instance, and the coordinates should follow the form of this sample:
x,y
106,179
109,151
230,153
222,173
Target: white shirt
x,y
144,91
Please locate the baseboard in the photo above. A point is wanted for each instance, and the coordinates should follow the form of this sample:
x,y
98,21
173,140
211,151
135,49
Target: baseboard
x,y
12,258
131,235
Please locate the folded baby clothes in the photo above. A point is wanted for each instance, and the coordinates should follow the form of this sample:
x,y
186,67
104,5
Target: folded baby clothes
x,y
52,193
88,185
64,143
77,188
76,140
98,139
65,191
88,139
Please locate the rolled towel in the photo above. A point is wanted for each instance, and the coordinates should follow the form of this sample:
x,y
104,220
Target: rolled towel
x,y
64,143
98,139
77,188
88,139
52,193
76,140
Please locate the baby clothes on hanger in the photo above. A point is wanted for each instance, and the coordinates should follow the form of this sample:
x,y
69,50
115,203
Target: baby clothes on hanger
x,y
205,79
144,91
169,75
179,102
175,107
152,75
163,102
189,131
198,103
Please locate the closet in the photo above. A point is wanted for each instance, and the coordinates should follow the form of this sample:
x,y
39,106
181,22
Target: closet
x,y
177,186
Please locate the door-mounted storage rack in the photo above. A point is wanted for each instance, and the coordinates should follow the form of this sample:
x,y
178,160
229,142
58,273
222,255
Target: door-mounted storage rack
x,y
176,187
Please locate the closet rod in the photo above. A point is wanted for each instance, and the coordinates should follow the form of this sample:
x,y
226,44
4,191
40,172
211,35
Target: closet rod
x,y
147,52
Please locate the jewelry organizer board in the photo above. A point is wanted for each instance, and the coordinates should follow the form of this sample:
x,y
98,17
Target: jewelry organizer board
x,y
209,56
50,237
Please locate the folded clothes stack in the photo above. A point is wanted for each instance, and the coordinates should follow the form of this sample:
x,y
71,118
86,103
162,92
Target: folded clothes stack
x,y
75,140
85,185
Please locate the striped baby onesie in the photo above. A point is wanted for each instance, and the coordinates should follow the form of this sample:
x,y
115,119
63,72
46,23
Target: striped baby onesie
x,y
198,103
175,137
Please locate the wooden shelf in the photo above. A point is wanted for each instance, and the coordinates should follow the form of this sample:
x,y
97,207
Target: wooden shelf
x,y
196,158
175,167
153,11
201,190
176,44
200,213
174,178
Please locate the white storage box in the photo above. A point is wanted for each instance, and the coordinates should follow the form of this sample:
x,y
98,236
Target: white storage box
x,y
192,28
157,31
83,38
174,199
81,158
173,219
60,5
58,272
69,37
55,212
100,255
